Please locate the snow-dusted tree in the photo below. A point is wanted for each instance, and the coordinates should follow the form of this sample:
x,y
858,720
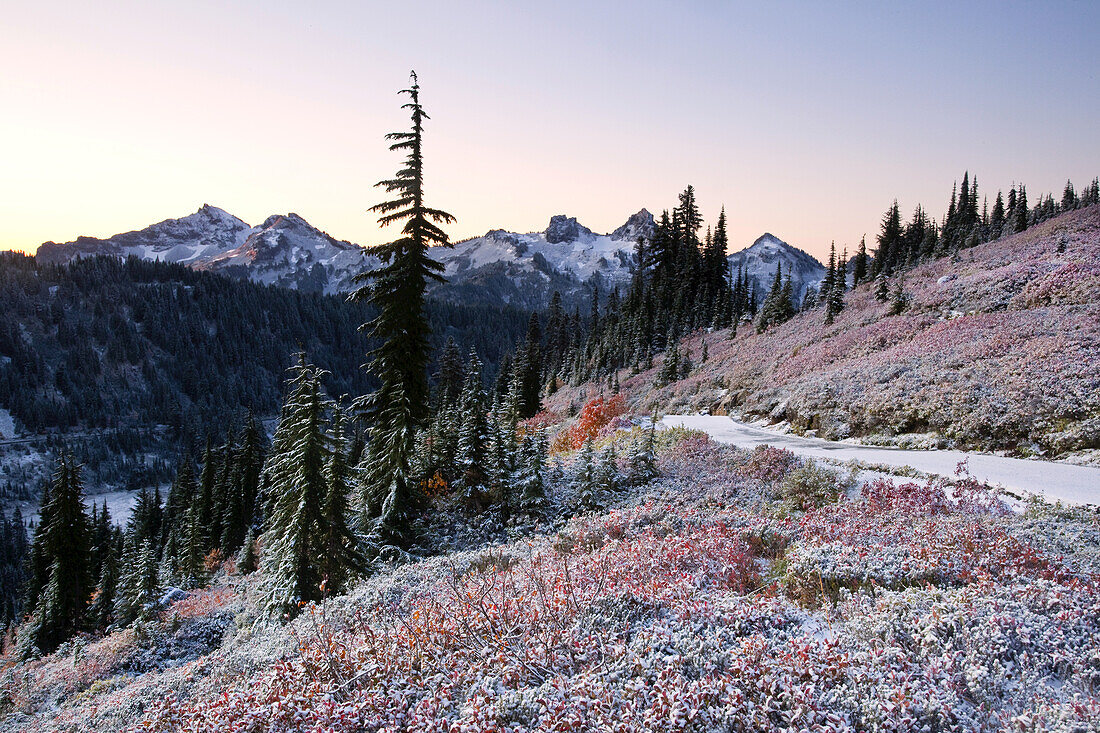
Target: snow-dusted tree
x,y
834,298
473,437
530,475
102,611
339,555
396,290
296,471
585,477
248,559
882,288
899,299
671,367
642,458
607,472
138,584
859,263
64,543
191,566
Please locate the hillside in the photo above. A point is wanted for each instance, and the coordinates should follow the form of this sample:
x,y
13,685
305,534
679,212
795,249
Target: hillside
x,y
732,593
998,348
102,351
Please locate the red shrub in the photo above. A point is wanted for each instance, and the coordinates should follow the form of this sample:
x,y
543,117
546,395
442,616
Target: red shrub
x,y
595,414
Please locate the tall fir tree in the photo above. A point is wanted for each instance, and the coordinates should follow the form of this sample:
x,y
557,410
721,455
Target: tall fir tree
x,y
396,290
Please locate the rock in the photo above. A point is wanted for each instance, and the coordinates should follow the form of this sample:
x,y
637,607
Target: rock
x,y
566,229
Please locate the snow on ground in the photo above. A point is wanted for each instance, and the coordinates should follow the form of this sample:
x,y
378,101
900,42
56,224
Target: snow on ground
x,y
1063,482
119,503
7,425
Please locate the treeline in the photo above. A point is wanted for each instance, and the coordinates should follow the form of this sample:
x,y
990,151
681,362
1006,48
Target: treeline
x,y
104,343
682,283
966,223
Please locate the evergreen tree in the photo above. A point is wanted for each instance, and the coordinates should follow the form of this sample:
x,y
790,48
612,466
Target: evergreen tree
x,y
830,277
585,477
835,298
671,366
777,307
859,263
1069,197
248,560
296,473
208,478
530,474
339,558
997,219
181,496
1020,212
102,611
607,472
191,566
889,242
529,370
449,375
61,609
38,560
138,583
396,290
882,288
899,301
716,272
473,437
642,458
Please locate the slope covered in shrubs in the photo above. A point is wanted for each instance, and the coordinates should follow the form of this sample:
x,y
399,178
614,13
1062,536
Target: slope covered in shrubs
x,y
997,347
737,591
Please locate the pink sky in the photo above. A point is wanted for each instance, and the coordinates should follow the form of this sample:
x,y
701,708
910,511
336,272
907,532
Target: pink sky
x,y
804,122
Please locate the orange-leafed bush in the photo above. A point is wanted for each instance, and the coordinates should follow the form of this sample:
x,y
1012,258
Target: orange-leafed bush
x,y
435,486
595,414
213,560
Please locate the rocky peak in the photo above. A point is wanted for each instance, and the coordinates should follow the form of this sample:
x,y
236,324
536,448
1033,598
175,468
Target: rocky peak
x,y
638,225
566,229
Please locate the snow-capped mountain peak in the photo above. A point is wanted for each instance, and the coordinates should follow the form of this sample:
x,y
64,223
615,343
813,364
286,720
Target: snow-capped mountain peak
x,y
640,225
761,259
188,240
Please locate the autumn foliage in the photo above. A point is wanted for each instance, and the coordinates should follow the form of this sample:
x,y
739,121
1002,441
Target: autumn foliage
x,y
595,414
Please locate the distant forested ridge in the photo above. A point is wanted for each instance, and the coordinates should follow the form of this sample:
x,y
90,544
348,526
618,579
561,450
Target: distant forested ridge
x,y
105,344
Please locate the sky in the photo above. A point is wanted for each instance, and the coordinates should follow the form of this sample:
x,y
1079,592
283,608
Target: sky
x,y
803,120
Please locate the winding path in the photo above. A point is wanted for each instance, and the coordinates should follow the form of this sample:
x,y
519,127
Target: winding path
x,y
1055,481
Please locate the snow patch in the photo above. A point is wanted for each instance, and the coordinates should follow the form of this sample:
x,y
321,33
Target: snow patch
x,y
7,425
1062,482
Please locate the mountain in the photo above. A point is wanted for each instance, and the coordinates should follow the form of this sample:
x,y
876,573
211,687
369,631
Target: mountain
x,y
762,257
290,252
525,269
193,239
499,268
285,250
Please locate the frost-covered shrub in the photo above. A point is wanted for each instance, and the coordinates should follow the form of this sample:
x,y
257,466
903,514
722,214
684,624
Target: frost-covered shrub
x,y
811,487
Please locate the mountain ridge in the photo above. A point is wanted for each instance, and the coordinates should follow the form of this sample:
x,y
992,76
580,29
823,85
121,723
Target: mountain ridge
x,y
498,267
